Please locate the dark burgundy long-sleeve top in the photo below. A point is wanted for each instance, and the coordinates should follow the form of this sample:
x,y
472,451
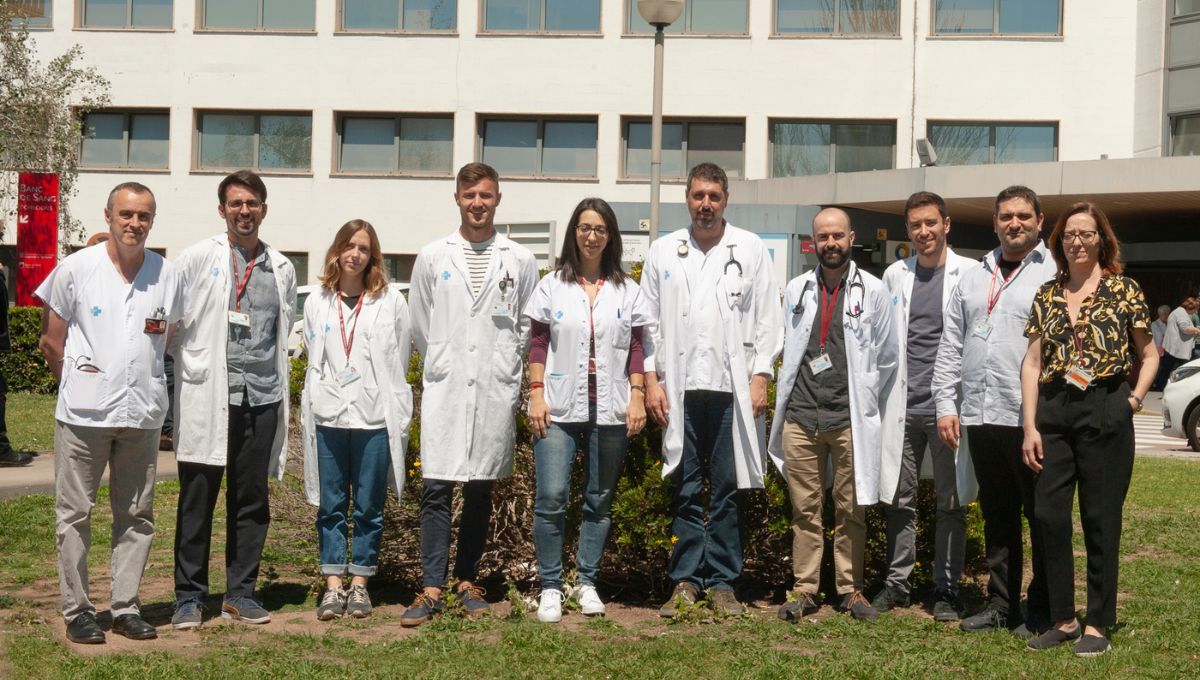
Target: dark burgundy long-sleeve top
x,y
539,347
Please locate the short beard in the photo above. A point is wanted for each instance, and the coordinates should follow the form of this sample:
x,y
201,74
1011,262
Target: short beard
x,y
827,261
704,224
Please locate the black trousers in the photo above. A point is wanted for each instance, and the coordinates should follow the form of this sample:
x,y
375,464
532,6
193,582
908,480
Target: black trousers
x,y
5,446
436,498
1005,494
248,513
1087,439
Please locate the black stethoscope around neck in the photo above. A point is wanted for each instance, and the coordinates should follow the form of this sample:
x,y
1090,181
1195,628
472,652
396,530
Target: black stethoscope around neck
x,y
854,309
684,249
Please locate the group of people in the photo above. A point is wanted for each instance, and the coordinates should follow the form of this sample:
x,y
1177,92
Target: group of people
x,y
1012,375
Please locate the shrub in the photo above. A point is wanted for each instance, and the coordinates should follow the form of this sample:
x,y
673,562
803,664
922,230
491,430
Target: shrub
x,y
24,368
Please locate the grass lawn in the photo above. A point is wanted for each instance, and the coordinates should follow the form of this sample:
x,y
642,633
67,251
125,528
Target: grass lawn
x,y
1158,635
30,420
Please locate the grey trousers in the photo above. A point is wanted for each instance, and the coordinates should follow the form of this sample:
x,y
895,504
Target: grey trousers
x,y
950,536
80,456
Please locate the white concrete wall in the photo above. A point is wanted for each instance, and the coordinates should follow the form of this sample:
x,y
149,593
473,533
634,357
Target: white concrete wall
x,y
1085,80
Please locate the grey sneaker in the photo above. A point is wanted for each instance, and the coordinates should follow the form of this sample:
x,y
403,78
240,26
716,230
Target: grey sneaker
x,y
245,609
684,594
358,603
1053,638
991,618
858,607
945,608
889,598
1092,645
333,604
189,613
799,605
723,600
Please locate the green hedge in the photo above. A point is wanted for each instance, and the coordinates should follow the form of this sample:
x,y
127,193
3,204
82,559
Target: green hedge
x,y
24,368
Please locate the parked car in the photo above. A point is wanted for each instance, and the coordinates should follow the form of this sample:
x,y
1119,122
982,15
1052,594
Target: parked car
x,y
296,338
1181,404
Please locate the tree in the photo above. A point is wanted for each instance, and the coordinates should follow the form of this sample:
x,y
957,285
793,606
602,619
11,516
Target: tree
x,y
40,111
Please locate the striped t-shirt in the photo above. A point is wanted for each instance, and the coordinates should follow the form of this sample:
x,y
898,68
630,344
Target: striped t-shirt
x,y
478,255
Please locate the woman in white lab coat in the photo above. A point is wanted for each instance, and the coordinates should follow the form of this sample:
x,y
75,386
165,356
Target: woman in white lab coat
x,y
355,410
586,392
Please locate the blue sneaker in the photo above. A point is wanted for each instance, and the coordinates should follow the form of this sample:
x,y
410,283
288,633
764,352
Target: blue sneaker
x,y
189,613
472,599
421,610
244,609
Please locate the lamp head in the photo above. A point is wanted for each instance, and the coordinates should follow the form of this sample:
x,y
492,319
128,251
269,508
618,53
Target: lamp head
x,y
660,12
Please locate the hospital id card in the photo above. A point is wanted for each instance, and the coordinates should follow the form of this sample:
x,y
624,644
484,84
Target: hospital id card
x,y
239,319
347,377
982,329
820,364
502,309
1079,377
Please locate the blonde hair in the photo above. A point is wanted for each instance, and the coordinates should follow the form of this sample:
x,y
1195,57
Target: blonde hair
x,y
374,276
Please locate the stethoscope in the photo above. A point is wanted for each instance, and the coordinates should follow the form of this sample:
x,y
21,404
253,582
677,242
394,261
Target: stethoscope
x,y
856,287
684,249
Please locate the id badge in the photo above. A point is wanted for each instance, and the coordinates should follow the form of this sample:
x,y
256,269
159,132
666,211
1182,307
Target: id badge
x,y
239,319
502,309
156,326
982,329
347,376
819,364
1079,377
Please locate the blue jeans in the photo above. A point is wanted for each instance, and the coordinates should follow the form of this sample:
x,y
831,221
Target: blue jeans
x,y
707,554
604,446
348,460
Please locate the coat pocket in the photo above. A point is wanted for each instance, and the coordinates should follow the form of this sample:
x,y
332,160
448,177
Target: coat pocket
x,y
560,392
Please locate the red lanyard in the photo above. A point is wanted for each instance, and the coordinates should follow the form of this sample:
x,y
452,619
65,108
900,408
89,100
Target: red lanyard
x,y
993,299
592,325
348,343
827,312
241,287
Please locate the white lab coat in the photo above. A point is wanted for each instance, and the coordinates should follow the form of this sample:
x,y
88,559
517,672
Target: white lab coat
x,y
750,333
201,371
898,279
619,307
472,349
383,324
871,363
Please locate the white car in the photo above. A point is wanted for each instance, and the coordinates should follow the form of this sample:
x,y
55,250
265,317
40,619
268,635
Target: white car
x,y
296,338
1181,404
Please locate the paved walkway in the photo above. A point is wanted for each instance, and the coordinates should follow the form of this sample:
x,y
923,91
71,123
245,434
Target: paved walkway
x,y
38,476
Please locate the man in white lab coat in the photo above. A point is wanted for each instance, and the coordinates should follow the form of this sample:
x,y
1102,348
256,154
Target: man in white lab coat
x,y
711,290
839,356
468,291
920,287
231,399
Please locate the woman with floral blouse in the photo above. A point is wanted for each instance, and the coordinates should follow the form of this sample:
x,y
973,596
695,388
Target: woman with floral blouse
x,y
1085,330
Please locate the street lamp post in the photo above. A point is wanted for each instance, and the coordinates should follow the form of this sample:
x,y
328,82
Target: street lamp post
x,y
659,14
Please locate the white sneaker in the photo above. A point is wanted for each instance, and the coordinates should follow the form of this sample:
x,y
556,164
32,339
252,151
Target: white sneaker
x,y
589,601
550,606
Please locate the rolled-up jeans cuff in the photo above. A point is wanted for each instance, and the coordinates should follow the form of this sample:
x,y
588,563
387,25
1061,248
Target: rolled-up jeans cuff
x,y
359,570
333,569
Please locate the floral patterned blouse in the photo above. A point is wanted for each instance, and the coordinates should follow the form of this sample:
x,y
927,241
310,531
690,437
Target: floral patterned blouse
x,y
1104,328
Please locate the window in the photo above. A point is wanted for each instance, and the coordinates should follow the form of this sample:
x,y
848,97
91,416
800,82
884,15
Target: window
x,y
258,15
125,13
699,16
262,141
541,16
300,264
551,147
1185,135
399,15
537,237
395,144
801,147
685,144
997,17
1183,7
33,13
124,139
399,267
837,16
982,143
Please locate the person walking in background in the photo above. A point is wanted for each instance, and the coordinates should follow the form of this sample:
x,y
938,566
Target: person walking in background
x,y
921,288
1085,330
1179,338
586,392
1158,330
109,311
8,457
355,411
977,387
468,291
231,400
718,328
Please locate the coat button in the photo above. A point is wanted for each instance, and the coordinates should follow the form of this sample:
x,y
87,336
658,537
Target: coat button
x,y
470,382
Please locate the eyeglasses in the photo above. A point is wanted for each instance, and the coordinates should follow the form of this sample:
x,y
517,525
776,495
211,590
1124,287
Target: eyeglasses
x,y
252,204
588,230
1081,236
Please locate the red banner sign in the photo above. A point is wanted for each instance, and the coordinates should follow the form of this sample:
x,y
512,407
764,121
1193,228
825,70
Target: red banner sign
x,y
37,233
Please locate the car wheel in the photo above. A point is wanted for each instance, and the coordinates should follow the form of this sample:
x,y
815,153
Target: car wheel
x,y
1192,428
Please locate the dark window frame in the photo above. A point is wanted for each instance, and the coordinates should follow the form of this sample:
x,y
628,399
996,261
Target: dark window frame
x,y
483,119
127,132
834,124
